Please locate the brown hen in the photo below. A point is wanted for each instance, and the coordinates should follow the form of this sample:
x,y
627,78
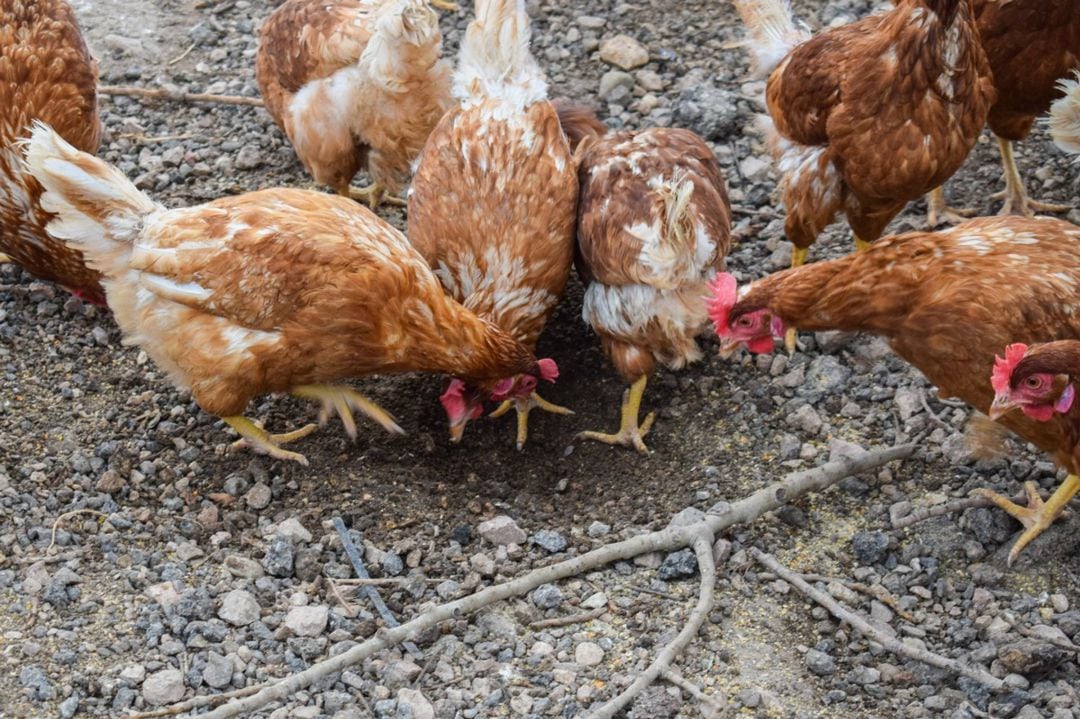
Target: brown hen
x,y
947,302
654,226
355,84
47,74
271,291
493,201
867,117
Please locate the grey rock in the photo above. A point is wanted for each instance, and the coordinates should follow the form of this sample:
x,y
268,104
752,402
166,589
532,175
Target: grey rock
x,y
870,547
240,566
612,80
750,698
1031,657
656,703
293,530
411,703
249,157
280,557
549,541
163,687
826,374
820,663
501,530
259,496
598,529
391,564
588,654
218,671
33,678
708,110
547,596
309,621
69,706
239,608
806,420
678,565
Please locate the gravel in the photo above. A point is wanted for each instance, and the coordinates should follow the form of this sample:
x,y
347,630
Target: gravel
x,y
202,563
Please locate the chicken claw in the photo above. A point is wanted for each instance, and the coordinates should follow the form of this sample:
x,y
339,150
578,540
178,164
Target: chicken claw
x,y
630,434
1037,515
4,259
446,5
938,211
524,406
342,401
1016,198
254,436
374,194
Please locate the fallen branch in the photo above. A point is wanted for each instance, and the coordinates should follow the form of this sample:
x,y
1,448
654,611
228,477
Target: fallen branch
x,y
718,706
744,511
957,505
160,93
196,702
570,619
864,627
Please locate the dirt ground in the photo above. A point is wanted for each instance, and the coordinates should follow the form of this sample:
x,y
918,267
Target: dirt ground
x,y
68,388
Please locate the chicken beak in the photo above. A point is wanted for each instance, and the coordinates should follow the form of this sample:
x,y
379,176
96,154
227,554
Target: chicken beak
x,y
457,429
1001,406
728,348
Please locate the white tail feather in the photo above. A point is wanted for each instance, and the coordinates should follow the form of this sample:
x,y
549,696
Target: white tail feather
x,y
773,32
495,61
1065,117
98,210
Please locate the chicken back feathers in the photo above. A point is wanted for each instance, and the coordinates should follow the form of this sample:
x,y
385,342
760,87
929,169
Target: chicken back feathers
x,y
948,302
265,291
47,74
1030,45
493,200
653,227
869,116
355,84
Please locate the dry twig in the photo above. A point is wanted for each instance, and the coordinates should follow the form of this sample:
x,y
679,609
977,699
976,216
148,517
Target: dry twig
x,y
196,702
957,505
69,515
569,619
744,511
864,627
717,706
160,93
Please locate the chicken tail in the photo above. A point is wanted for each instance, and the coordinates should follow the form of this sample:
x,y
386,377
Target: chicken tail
x,y
676,194
578,122
773,32
406,36
1065,117
495,61
98,210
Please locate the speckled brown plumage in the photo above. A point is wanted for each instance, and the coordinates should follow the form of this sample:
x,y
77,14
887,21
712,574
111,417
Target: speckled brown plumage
x,y
46,73
948,302
355,84
870,116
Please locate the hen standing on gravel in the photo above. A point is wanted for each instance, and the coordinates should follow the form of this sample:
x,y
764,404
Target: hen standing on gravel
x,y
355,84
47,74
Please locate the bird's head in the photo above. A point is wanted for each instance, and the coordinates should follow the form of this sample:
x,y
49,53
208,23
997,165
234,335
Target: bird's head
x,y
756,328
1039,394
464,401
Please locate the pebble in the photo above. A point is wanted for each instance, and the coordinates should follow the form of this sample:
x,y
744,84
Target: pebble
x,y
308,621
280,557
258,497
707,110
588,654
163,687
218,671
239,608
32,678
597,530
820,663
293,530
501,530
612,80
623,52
547,596
870,547
411,703
550,541
678,565
1031,657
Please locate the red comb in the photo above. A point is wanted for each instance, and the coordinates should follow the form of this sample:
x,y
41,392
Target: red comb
x,y
1001,378
724,295
502,389
549,371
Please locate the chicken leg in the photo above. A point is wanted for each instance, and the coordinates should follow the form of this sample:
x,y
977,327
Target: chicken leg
x,y
1037,515
524,405
374,194
4,259
862,245
939,212
798,259
254,436
630,434
342,401
445,5
1016,198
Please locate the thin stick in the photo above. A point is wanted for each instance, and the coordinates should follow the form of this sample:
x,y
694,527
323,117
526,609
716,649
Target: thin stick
x,y
570,619
703,550
864,627
876,591
932,414
197,702
744,511
182,55
717,705
957,505
372,594
161,93
69,515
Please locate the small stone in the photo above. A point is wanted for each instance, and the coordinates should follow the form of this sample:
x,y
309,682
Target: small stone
x,y
400,673
591,22
391,564
870,547
656,703
69,706
549,541
292,529
483,564
163,687
249,157
33,678
133,674
908,402
280,557
1060,603
239,608
623,52
258,497
588,654
502,530
245,567
598,529
793,516
749,698
110,482
650,81
547,596
678,565
411,703
612,80
595,601
805,419
309,621
218,671
708,110
1031,657
820,663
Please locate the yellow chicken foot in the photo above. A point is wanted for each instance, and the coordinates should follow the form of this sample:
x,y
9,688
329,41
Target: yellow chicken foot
x,y
374,194
342,401
938,211
862,245
1016,198
791,337
1037,515
630,434
445,5
254,436
524,406
4,259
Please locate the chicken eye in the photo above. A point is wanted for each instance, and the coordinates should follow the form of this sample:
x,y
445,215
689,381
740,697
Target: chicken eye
x,y
744,321
1033,382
